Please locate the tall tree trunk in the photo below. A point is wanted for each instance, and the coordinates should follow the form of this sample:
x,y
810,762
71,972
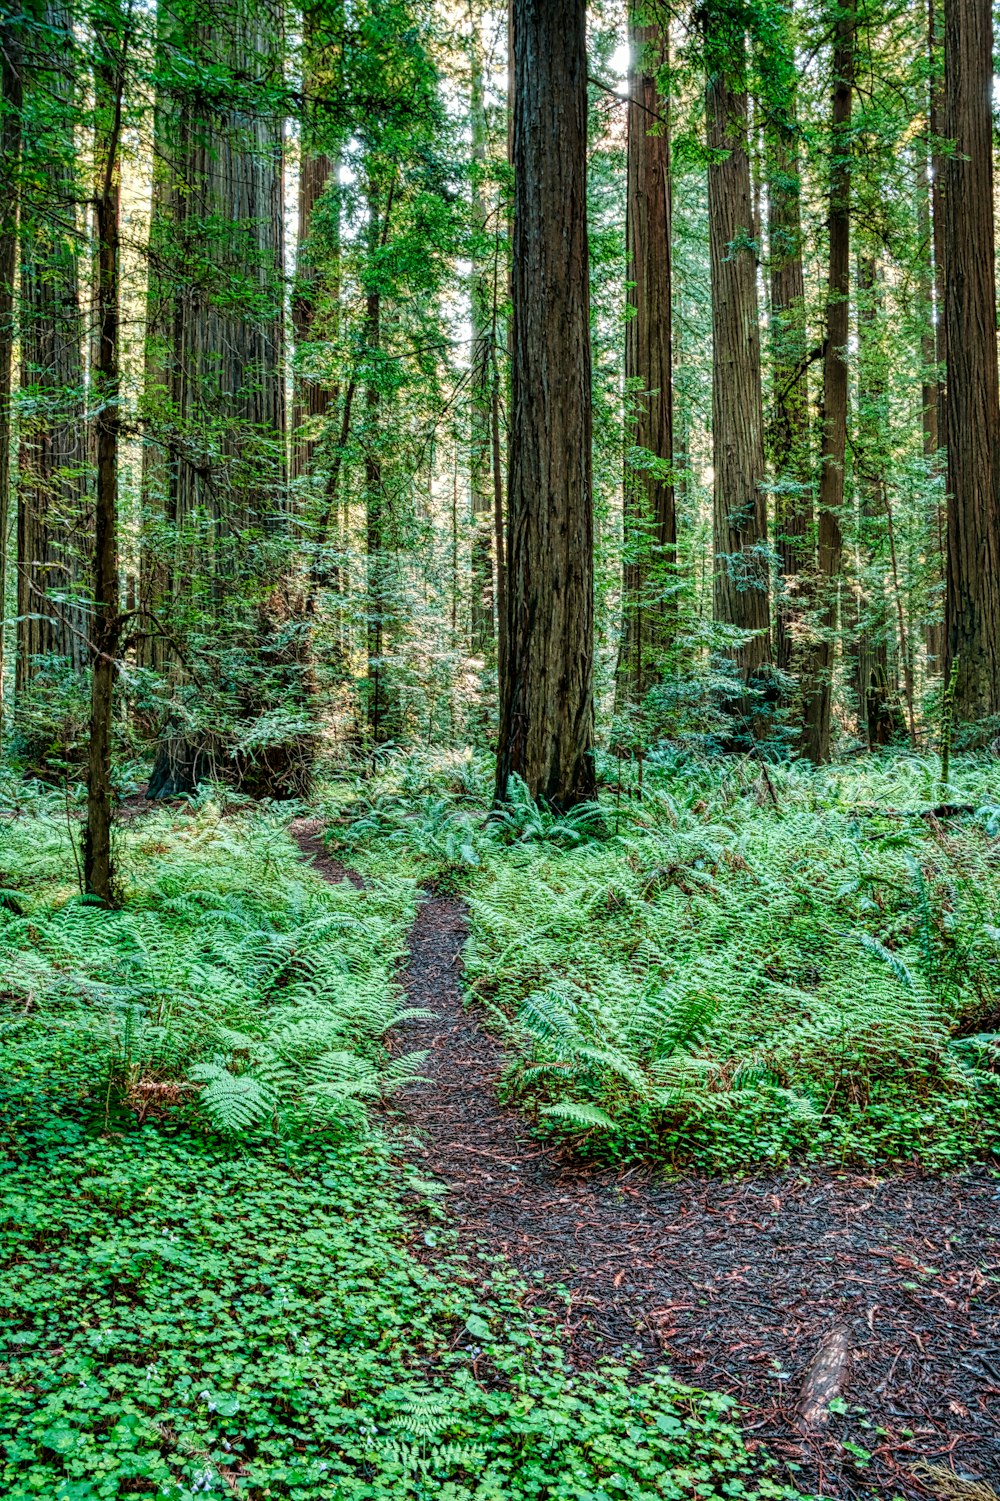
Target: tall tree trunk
x,y
818,670
789,427
109,87
215,380
483,335
10,192
317,260
547,711
381,605
739,528
650,512
935,634
879,715
972,609
53,521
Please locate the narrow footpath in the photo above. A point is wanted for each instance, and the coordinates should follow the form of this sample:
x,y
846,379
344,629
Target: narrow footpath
x,y
735,1285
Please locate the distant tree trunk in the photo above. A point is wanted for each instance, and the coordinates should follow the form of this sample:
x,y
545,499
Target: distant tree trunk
x,y
972,610
547,711
789,427
215,376
879,714
650,512
312,395
53,520
317,263
483,334
937,342
381,709
10,188
740,513
109,81
818,669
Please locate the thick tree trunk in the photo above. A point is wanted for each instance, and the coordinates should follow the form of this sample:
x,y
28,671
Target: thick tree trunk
x,y
972,609
484,329
789,427
215,372
818,669
10,188
650,513
739,527
109,91
53,520
547,712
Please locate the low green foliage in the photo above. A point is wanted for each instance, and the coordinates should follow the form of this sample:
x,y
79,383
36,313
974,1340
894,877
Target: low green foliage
x,y
260,992
277,1309
745,966
180,1318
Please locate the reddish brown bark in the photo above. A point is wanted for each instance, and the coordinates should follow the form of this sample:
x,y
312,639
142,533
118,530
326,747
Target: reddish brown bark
x,y
818,669
547,709
739,514
972,609
650,513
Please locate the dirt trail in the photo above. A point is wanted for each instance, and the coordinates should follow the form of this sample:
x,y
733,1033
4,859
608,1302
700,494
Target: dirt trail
x,y
732,1284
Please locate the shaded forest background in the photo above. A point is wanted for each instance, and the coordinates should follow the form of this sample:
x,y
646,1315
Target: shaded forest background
x,y
255,350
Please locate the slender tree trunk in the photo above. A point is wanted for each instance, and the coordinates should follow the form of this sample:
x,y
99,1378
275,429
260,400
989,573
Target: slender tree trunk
x,y
789,427
739,515
972,610
53,521
650,513
818,673
935,635
483,330
10,190
312,394
377,605
876,689
547,711
109,92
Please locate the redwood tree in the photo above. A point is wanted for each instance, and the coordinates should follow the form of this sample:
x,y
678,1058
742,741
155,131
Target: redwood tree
x,y
740,512
818,669
547,708
972,608
650,512
53,522
789,422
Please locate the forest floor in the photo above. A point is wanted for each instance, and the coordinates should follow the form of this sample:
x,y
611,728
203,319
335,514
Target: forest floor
x,y
733,1284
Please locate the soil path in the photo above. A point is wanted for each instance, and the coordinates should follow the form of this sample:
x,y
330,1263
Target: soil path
x,y
732,1284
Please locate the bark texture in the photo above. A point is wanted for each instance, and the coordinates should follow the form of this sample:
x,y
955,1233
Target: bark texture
x,y
215,368
484,334
98,868
547,710
650,512
879,717
53,513
740,514
10,157
972,609
818,669
789,425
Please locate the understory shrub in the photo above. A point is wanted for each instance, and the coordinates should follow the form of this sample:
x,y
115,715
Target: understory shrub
x,y
232,983
747,965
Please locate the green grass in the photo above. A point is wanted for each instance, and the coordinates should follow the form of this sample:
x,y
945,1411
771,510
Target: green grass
x,y
272,1305
737,970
